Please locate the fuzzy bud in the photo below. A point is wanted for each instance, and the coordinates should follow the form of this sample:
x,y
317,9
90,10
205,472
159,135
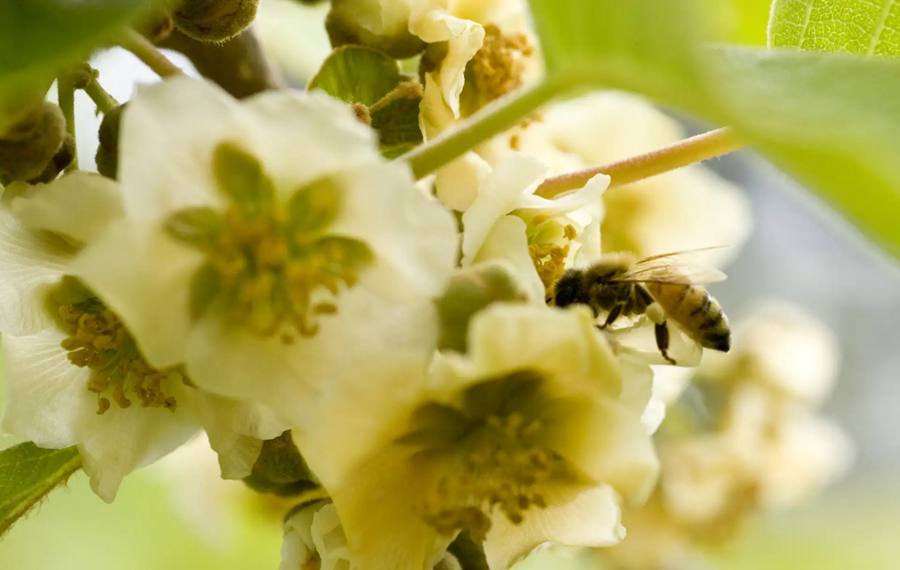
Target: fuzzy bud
x,y
214,20
107,157
29,147
280,469
364,22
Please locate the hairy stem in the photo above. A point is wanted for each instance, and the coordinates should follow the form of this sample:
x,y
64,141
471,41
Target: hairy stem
x,y
101,98
238,65
490,121
65,89
683,153
148,53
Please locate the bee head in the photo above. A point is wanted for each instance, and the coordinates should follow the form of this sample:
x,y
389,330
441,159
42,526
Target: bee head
x,y
568,290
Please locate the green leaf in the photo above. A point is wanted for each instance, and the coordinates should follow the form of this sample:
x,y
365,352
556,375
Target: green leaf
x,y
831,120
38,37
27,474
357,74
866,27
396,118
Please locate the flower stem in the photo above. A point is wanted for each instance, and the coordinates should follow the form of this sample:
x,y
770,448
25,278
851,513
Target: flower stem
x,y
683,153
149,54
65,89
490,121
101,98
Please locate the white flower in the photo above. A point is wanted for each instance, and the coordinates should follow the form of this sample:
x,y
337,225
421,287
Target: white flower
x,y
313,534
684,209
267,245
524,440
540,237
80,379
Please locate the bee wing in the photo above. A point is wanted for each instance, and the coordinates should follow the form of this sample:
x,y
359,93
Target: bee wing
x,y
673,268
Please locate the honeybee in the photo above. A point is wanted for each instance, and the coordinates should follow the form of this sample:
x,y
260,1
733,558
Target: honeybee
x,y
661,286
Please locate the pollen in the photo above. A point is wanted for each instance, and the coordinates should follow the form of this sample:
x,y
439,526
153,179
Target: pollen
x,y
272,265
499,65
549,245
490,454
119,374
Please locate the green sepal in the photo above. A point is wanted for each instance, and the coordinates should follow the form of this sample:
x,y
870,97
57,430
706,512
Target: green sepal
x,y
395,117
280,469
314,207
198,226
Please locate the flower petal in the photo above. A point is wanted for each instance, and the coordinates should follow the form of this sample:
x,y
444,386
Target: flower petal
x,y
45,393
145,277
591,519
79,205
31,263
508,241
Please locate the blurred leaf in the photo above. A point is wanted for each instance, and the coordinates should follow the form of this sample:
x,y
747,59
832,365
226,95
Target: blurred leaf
x,y
831,120
357,74
746,21
396,118
867,27
37,37
27,474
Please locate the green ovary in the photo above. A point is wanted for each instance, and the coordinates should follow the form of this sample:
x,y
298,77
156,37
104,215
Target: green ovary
x,y
271,264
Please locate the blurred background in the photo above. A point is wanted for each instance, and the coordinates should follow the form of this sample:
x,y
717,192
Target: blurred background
x,y
798,252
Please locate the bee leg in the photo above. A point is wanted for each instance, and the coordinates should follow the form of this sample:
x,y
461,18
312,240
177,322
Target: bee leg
x,y
662,340
612,316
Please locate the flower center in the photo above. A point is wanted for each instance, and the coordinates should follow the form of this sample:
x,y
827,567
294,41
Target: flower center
x,y
499,65
489,453
119,374
271,264
549,244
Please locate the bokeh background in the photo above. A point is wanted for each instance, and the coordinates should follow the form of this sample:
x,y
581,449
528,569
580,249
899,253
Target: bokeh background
x,y
798,252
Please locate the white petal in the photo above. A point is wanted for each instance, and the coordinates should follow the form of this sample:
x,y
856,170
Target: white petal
x,y
300,137
45,393
502,193
413,236
169,132
145,277
30,264
508,241
78,206
236,431
114,444
591,519
457,184
464,38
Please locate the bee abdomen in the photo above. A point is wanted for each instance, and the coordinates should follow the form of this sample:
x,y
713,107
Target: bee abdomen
x,y
697,312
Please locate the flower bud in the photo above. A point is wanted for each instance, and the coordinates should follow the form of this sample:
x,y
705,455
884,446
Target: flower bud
x,y
366,22
63,158
107,157
280,469
214,20
470,291
28,148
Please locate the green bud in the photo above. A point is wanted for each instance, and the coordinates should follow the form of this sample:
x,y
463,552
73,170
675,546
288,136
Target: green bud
x,y
280,469
28,148
362,22
107,156
63,158
471,290
214,20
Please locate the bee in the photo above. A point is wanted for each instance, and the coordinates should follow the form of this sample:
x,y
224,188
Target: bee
x,y
661,286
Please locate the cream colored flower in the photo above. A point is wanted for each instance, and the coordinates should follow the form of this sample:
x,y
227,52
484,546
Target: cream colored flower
x,y
540,237
685,209
267,245
529,438
80,379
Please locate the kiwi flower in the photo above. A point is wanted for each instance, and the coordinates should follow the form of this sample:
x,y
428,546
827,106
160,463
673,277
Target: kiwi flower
x,y
266,245
531,437
74,373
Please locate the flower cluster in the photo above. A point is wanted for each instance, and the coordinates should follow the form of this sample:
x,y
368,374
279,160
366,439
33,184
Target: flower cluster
x,y
391,355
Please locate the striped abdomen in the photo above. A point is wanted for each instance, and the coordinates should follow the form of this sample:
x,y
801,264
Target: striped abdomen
x,y
696,311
